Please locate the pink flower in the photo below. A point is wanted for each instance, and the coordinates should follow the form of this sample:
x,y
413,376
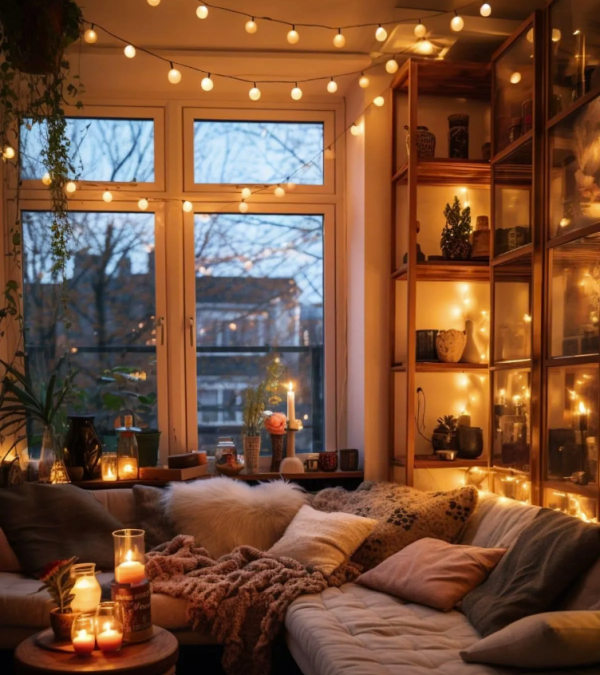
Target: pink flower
x,y
275,424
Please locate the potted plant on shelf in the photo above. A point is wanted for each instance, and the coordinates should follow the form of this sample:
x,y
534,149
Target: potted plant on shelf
x,y
253,418
444,435
56,578
455,235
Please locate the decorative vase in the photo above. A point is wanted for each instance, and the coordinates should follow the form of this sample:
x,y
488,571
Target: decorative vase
x,y
426,345
291,463
471,353
251,453
51,468
425,143
62,624
148,442
83,446
450,345
328,461
458,136
277,451
470,442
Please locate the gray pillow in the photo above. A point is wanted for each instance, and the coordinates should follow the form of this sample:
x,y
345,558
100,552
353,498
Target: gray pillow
x,y
550,553
50,522
151,515
551,640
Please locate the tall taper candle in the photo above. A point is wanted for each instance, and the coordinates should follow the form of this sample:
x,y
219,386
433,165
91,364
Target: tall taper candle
x,y
291,405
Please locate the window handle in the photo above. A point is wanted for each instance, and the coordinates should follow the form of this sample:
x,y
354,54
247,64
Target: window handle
x,y
191,331
160,323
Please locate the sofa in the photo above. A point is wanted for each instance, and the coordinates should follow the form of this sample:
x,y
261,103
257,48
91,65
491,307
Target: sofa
x,y
350,630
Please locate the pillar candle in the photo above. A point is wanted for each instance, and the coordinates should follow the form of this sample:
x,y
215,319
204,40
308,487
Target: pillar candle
x,y
291,404
109,639
130,572
464,419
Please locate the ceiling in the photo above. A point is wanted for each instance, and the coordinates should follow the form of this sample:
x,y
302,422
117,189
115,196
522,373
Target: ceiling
x,y
220,44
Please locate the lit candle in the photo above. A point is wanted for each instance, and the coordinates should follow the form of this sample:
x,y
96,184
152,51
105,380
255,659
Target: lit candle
x,y
583,417
502,397
464,419
84,642
128,468
130,571
109,639
87,594
291,406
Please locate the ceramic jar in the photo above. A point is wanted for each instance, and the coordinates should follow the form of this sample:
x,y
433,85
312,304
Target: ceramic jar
x,y
328,461
450,345
458,136
470,442
425,143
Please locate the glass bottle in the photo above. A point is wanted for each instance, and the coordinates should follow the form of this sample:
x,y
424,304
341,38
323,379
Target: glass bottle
x,y
51,468
127,451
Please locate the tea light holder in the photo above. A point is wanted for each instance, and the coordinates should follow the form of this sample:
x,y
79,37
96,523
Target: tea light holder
x,y
87,590
83,634
127,468
109,626
131,589
109,467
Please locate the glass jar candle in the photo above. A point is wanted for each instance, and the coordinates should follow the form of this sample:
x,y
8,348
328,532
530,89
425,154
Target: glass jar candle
x,y
130,562
127,451
83,633
87,591
109,626
109,466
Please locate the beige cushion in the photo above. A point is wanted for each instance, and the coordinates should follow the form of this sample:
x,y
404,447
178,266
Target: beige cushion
x,y
550,640
8,558
323,540
120,503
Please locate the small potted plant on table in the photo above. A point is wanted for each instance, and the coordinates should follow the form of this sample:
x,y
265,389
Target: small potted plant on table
x,y
57,580
254,407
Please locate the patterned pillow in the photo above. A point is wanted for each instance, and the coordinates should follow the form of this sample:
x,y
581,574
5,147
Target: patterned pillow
x,y
404,514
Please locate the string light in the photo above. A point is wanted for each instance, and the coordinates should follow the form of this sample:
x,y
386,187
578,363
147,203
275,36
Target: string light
x,y
329,153
392,66
246,192
107,196
9,152
291,186
420,30
207,84
424,46
279,191
379,101
293,37
129,51
457,23
485,9
296,93
356,129
251,26
332,86
243,207
254,93
154,3
515,78
46,179
381,34
364,81
174,75
70,187
202,12
187,206
339,40
90,35
556,35
143,204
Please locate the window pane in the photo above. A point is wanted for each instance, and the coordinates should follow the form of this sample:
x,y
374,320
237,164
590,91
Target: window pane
x,y
259,289
111,340
101,149
258,152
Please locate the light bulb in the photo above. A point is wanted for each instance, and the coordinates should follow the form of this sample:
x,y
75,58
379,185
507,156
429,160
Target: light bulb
x,y
379,101
70,187
381,34
246,192
356,129
530,35
424,46
339,40
154,3
296,93
129,51
143,204
332,86
251,26
485,9
9,152
107,197
293,37
279,191
207,84
243,207
515,78
457,23
420,30
254,93
187,206
202,12
363,82
291,186
174,75
90,36
46,179
556,35
391,66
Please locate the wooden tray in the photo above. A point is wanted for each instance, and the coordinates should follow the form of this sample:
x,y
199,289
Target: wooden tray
x,y
158,473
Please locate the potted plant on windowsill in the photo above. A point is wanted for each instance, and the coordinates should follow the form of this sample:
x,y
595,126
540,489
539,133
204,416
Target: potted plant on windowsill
x,y
254,407
56,578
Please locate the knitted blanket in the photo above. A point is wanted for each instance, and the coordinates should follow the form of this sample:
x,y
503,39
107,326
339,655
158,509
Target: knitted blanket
x,y
241,598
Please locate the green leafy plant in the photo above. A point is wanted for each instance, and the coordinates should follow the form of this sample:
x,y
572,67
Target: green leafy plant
x,y
122,397
447,425
57,580
455,235
254,407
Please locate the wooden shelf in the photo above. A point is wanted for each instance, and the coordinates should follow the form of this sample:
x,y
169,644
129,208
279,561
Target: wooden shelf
x,y
432,462
469,172
439,367
447,271
591,491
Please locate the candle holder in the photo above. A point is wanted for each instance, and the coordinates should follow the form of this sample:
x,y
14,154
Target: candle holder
x,y
109,626
291,463
87,590
109,466
127,451
83,634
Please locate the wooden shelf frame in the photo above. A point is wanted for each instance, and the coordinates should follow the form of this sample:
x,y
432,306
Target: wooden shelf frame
x,y
446,271
438,171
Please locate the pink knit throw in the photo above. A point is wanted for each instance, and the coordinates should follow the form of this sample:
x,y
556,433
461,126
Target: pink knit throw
x,y
241,598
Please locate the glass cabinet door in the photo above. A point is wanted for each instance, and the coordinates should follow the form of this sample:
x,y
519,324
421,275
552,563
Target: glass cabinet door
x,y
512,312
511,432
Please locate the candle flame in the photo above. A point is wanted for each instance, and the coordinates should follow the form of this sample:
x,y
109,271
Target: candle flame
x,y
82,633
129,556
107,626
582,408
290,386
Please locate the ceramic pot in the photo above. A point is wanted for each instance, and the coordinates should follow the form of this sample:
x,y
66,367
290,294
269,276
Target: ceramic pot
x,y
62,624
277,451
148,444
470,442
426,345
425,143
251,453
450,345
328,461
83,446
458,136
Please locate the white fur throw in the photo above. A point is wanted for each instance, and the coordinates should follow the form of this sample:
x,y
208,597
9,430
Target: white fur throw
x,y
222,513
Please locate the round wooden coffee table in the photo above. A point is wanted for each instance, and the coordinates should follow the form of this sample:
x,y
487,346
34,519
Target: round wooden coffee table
x,y
155,657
